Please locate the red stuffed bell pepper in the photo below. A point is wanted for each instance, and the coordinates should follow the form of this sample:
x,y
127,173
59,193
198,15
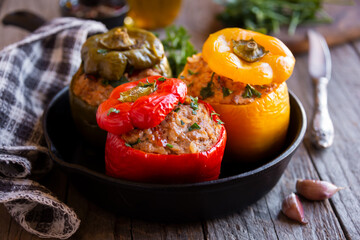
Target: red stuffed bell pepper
x,y
157,134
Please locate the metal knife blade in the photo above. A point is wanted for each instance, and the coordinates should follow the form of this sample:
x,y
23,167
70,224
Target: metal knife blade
x,y
320,71
319,56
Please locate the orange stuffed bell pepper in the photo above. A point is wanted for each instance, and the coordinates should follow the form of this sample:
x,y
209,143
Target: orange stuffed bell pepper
x,y
242,75
157,134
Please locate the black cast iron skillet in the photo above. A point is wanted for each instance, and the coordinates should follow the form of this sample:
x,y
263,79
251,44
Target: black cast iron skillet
x,y
234,190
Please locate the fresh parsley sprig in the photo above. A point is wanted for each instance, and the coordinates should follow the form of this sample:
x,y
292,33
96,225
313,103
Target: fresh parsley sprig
x,y
268,16
178,48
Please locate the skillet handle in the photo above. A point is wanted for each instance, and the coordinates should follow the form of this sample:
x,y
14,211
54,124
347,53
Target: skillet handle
x,y
23,19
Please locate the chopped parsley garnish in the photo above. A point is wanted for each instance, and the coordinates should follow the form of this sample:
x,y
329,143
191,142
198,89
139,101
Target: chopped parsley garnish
x,y
214,113
132,144
102,51
194,126
219,121
250,92
169,145
207,91
161,79
176,109
194,104
226,91
147,84
137,141
192,72
113,110
182,122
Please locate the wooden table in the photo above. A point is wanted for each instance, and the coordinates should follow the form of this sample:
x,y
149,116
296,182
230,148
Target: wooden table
x,y
337,218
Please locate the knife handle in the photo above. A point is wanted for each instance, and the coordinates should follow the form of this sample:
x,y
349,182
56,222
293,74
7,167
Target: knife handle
x,y
322,126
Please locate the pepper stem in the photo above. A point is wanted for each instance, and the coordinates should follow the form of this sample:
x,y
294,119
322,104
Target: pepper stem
x,y
251,46
248,50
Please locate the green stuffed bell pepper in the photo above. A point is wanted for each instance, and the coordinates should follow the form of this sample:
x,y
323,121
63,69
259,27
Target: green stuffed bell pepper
x,y
110,59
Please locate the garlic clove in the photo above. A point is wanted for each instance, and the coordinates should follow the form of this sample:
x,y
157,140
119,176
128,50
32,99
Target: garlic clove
x,y
316,189
293,208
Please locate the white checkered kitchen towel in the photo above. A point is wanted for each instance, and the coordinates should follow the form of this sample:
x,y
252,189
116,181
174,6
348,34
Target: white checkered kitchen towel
x,y
32,71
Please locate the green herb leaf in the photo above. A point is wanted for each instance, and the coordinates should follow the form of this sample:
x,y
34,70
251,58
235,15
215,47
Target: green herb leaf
x,y
178,48
102,51
214,113
219,121
194,104
113,110
269,16
182,122
192,73
161,79
194,126
137,141
207,91
176,109
147,84
250,92
132,144
226,91
169,145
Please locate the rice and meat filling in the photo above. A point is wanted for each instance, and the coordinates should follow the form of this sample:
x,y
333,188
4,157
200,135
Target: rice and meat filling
x,y
95,90
206,84
184,130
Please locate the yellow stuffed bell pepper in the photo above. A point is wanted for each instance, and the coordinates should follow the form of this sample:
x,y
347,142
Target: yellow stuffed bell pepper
x,y
242,75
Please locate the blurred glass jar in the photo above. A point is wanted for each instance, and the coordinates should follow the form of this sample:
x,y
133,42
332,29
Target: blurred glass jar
x,y
152,14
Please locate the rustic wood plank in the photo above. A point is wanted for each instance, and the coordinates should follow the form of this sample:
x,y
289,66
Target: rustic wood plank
x,y
264,220
153,230
49,9
123,229
323,223
96,223
198,17
339,164
356,45
254,222
5,221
